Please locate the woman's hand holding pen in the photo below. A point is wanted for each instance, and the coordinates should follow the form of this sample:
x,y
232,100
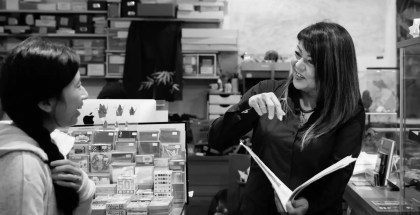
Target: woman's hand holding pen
x,y
267,103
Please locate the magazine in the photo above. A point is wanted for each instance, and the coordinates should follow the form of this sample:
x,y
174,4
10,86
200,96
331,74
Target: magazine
x,y
283,192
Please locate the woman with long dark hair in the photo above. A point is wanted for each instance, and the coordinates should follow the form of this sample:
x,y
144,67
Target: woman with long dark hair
x,y
40,90
301,125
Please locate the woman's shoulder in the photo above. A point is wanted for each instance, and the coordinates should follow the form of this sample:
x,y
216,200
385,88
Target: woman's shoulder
x,y
23,165
271,85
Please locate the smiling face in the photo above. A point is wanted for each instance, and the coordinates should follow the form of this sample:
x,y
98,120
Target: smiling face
x,y
304,71
65,112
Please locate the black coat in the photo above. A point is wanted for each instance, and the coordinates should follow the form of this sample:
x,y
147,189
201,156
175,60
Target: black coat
x,y
277,143
152,47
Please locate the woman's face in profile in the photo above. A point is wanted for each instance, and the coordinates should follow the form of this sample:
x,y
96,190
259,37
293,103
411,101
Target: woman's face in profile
x,y
66,110
304,70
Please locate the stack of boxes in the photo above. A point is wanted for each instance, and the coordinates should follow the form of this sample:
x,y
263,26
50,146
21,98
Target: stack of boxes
x,y
201,9
147,166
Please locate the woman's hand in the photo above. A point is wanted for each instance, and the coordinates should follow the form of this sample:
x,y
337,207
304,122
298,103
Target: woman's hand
x,y
267,103
297,207
67,174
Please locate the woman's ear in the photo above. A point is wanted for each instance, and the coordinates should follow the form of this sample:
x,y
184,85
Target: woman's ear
x,y
47,105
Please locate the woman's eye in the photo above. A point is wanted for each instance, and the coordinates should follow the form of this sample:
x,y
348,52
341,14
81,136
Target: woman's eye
x,y
297,55
311,62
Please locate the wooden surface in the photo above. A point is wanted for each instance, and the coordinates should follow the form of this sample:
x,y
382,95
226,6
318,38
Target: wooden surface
x,y
207,175
361,199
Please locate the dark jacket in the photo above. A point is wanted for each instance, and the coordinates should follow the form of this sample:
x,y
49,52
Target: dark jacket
x,y
153,47
277,143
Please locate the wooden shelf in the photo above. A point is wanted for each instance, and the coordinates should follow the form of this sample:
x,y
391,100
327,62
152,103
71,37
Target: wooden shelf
x,y
100,77
53,35
115,51
201,77
55,11
150,19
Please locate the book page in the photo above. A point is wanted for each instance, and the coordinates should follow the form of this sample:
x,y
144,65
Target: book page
x,y
282,191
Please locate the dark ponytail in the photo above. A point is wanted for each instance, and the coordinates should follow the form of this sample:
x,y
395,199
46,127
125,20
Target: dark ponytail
x,y
34,71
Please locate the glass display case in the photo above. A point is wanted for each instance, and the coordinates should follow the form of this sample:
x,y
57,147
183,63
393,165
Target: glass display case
x,y
408,148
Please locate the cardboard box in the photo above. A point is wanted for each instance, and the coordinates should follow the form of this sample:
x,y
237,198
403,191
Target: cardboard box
x,y
156,10
97,5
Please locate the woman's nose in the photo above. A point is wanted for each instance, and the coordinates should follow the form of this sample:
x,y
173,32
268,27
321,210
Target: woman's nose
x,y
85,94
300,65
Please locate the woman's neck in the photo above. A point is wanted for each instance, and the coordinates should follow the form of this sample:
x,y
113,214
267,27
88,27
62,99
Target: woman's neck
x,y
307,101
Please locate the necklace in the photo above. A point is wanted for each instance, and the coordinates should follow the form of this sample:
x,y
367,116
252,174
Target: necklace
x,y
304,116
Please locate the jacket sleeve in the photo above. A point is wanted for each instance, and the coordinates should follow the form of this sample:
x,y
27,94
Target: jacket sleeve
x,y
86,192
226,130
23,184
330,189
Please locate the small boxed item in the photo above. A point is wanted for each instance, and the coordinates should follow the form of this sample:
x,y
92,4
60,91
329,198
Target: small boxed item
x,y
144,177
84,29
106,189
119,202
125,184
113,10
65,21
144,159
82,137
84,19
82,160
161,163
79,6
124,146
148,135
80,149
100,178
156,10
169,136
170,150
129,8
149,148
127,136
63,6
100,162
100,147
118,169
177,164
104,136
122,157
95,69
97,5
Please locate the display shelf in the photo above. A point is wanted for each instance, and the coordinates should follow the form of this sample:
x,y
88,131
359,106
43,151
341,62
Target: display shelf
x,y
165,20
201,77
54,35
55,11
115,51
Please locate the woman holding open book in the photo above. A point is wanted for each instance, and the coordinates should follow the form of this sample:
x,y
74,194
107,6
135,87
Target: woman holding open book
x,y
301,125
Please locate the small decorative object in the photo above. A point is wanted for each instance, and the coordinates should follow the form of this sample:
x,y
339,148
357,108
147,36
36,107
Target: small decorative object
x,y
414,29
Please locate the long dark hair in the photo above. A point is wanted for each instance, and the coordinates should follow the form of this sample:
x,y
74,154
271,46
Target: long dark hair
x,y
34,71
332,51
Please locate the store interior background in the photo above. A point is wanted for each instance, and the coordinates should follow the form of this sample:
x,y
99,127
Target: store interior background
x,y
274,24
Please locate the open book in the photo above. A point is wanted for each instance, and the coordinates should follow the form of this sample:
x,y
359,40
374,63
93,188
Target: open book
x,y
283,192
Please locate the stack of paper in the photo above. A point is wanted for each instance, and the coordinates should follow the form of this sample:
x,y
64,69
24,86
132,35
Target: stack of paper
x,y
209,39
